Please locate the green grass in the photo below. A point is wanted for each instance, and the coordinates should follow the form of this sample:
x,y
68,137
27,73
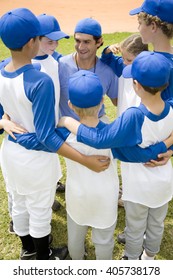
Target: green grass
x,y
10,244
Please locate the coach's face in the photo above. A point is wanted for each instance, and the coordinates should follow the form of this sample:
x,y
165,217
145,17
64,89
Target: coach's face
x,y
85,45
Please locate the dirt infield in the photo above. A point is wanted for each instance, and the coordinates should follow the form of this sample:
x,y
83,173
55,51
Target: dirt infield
x,y
113,15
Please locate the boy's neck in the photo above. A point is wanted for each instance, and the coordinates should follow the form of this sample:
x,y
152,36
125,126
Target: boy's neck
x,y
17,62
162,45
41,53
154,103
91,121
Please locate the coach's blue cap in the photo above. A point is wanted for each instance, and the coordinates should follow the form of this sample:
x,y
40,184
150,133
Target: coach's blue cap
x,y
51,28
89,26
85,89
18,26
163,9
149,69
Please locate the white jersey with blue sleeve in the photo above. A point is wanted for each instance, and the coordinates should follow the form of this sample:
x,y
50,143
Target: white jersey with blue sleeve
x,y
151,187
86,202
27,96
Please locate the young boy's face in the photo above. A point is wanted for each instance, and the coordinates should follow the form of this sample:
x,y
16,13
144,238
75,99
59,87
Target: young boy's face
x,y
127,56
47,46
145,31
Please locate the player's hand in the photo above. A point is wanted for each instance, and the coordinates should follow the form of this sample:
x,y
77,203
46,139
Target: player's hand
x,y
12,127
97,163
162,159
115,48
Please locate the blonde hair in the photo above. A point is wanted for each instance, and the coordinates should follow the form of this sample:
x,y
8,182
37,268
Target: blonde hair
x,y
167,28
83,112
133,44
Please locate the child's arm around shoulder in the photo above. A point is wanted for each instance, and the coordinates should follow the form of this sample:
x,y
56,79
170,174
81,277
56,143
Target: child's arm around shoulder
x,y
115,62
70,123
113,135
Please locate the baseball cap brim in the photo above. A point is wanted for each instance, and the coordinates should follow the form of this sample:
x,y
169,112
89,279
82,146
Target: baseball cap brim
x,y
57,35
135,11
127,71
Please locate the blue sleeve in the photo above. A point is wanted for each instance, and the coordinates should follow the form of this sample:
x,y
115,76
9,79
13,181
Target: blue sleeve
x,y
170,101
56,55
168,92
124,131
30,141
138,154
41,94
113,61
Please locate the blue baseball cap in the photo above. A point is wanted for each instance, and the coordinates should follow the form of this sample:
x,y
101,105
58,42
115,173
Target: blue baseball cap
x,y
150,69
51,28
85,89
163,9
89,26
18,26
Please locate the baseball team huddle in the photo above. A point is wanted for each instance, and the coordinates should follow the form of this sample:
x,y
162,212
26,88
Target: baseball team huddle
x,y
53,104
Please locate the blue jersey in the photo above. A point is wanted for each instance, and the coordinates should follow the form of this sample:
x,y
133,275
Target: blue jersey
x,y
168,92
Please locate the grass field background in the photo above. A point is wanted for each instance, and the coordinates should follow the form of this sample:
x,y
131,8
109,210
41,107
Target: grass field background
x,y
10,244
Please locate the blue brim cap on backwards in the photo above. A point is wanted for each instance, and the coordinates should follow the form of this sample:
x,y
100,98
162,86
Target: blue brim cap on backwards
x,y
51,28
85,89
163,9
17,27
89,26
149,69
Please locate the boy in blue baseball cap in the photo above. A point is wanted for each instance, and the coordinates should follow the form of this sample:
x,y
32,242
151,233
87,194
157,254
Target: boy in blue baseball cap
x,y
156,27
31,176
86,202
48,58
52,33
146,192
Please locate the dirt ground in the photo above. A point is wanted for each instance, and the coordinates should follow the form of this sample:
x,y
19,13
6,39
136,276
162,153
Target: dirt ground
x,y
113,15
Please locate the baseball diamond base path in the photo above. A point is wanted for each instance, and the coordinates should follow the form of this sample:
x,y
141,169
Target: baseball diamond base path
x,y
113,15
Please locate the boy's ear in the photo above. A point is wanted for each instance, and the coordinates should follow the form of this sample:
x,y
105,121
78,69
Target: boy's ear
x,y
137,85
70,104
102,101
30,43
154,26
100,42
